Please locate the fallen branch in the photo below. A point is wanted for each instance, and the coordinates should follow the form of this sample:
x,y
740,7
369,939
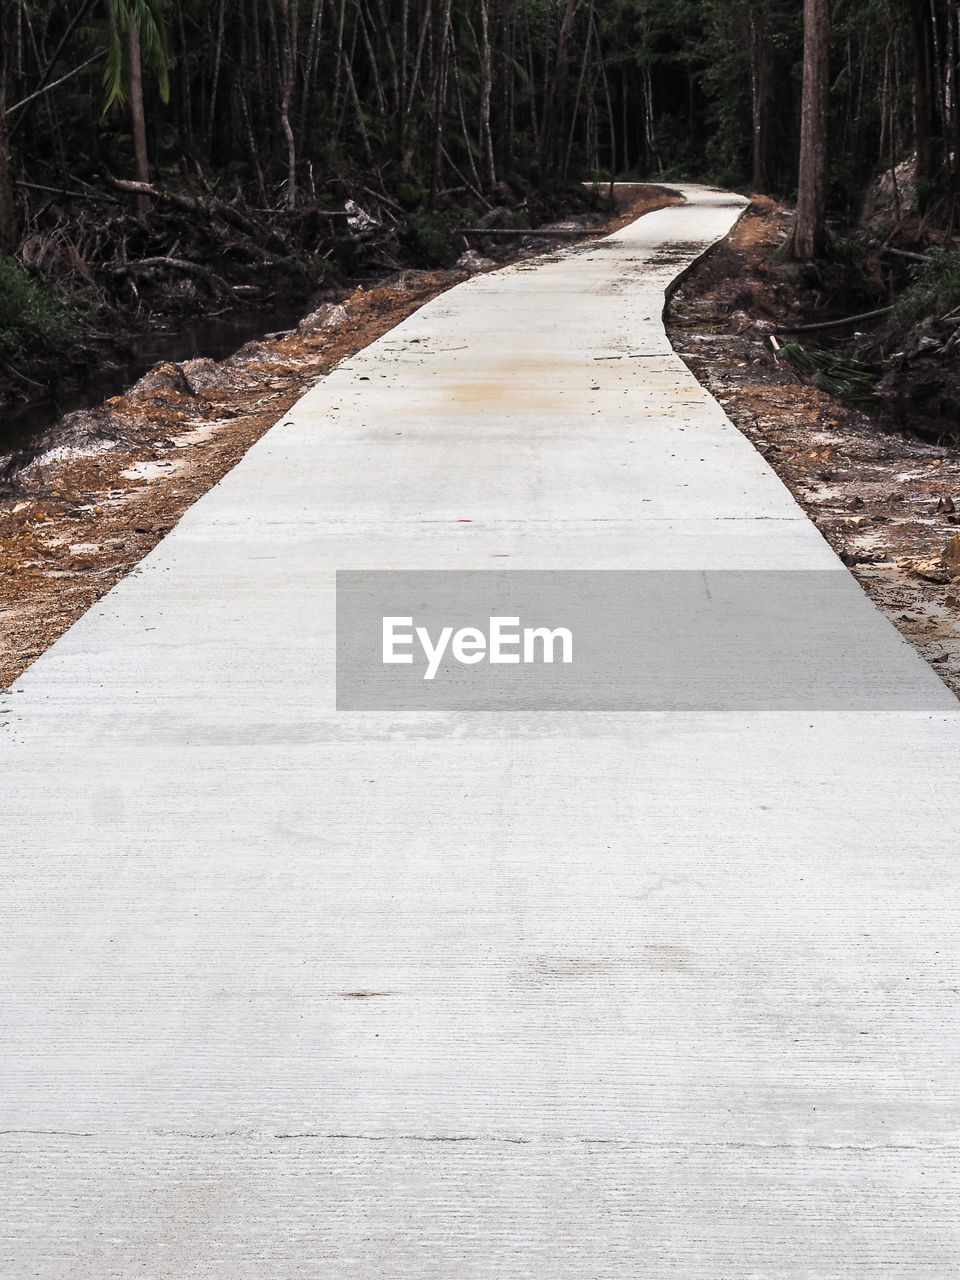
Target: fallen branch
x,y
906,253
301,211
48,88
191,203
383,198
204,205
463,178
174,264
832,324
523,231
62,191
23,377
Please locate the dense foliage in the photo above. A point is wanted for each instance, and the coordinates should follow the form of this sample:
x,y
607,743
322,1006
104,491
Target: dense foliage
x,y
117,117
934,290
30,314
284,94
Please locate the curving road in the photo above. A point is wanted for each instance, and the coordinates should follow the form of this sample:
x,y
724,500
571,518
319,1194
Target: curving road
x,y
531,995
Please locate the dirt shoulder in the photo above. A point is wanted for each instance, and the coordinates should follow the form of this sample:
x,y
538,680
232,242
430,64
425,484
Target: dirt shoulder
x,y
886,501
111,482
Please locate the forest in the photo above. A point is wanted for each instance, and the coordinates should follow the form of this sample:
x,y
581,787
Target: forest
x,y
183,148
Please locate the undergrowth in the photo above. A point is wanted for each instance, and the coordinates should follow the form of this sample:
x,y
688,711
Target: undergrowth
x,y
935,290
31,316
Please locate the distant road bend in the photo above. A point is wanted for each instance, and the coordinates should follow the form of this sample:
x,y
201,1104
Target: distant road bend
x,y
292,992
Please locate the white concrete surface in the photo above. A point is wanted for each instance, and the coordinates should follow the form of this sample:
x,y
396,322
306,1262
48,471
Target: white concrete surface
x,y
289,993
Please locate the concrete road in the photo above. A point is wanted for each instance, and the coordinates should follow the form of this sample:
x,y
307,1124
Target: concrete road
x,y
291,992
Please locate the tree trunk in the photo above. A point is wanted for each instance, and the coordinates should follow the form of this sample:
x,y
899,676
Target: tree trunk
x,y
575,115
215,85
486,87
609,103
654,163
186,97
556,86
141,162
310,67
510,65
8,207
461,111
926,131
810,229
401,121
289,64
760,86
334,112
439,98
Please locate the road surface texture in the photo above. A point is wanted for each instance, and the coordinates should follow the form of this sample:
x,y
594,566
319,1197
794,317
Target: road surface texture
x,y
291,992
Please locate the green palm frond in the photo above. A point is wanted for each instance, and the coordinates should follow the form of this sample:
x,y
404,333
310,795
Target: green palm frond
x,y
841,377
114,71
148,16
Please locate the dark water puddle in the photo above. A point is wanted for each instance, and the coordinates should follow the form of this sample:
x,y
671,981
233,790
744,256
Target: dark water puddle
x,y
126,361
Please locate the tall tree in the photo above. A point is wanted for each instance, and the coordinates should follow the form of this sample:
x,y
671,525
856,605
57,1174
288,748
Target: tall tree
x,y
440,94
137,33
289,17
933,95
761,90
8,208
810,228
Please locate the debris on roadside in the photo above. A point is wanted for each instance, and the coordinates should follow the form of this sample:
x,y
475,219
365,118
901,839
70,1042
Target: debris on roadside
x,y
883,498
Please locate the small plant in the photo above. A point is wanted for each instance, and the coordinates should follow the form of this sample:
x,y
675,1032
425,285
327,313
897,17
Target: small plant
x,y
411,195
935,290
31,316
431,240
